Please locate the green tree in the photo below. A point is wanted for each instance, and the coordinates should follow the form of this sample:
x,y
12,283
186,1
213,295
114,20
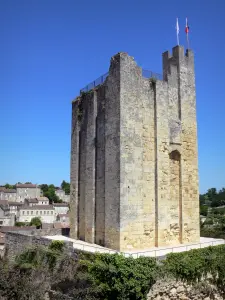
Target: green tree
x,y
44,187
66,187
36,222
215,203
203,210
8,186
49,192
51,195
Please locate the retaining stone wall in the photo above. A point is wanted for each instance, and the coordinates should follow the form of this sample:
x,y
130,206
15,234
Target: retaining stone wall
x,y
16,243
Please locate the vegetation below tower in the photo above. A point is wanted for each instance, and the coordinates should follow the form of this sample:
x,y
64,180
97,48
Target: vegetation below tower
x,y
40,271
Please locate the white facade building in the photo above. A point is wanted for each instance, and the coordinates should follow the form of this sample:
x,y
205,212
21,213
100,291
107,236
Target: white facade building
x,y
61,208
45,212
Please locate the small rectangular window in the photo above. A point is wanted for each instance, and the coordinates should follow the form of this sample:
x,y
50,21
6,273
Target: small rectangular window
x,y
44,212
28,212
31,212
36,212
52,212
40,212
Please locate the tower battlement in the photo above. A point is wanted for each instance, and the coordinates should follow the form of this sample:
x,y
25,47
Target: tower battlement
x,y
134,161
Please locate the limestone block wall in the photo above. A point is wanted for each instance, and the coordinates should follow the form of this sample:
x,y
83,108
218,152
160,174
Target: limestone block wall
x,y
16,243
178,71
74,170
137,158
100,169
134,160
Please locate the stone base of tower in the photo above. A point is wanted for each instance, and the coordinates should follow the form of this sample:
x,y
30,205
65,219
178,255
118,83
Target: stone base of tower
x,y
149,251
143,239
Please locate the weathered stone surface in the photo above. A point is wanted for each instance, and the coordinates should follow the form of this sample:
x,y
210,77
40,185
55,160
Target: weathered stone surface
x,y
16,243
168,288
134,160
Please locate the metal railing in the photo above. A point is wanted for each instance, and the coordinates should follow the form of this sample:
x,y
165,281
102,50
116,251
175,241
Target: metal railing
x,y
93,84
158,253
150,74
100,80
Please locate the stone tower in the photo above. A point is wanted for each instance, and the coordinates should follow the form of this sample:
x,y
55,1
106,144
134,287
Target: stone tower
x,y
134,160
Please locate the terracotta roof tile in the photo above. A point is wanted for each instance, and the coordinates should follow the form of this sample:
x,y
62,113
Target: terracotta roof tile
x,y
61,204
31,200
28,185
15,203
9,191
42,199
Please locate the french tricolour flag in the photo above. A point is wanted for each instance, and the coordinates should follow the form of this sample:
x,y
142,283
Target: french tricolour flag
x,y
187,27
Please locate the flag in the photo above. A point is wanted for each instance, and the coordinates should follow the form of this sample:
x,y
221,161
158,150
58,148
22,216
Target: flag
x,y
187,27
178,30
177,27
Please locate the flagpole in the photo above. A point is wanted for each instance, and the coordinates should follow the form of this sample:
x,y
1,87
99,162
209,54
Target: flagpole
x,y
187,31
188,46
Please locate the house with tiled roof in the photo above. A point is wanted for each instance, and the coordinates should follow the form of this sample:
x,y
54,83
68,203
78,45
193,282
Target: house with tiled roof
x,y
8,194
27,191
36,201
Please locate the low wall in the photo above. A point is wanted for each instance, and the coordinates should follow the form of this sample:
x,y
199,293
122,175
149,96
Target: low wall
x,y
46,231
17,242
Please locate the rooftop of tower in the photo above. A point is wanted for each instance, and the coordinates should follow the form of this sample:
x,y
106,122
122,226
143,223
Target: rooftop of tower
x,y
100,80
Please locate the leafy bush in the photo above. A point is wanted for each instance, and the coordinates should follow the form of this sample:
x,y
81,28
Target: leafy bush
x,y
20,224
203,210
118,277
56,245
37,257
90,276
208,221
36,221
195,265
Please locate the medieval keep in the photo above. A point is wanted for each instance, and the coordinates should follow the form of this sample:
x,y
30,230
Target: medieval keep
x,y
134,159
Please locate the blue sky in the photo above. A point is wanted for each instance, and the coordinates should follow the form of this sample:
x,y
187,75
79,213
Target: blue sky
x,y
50,49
